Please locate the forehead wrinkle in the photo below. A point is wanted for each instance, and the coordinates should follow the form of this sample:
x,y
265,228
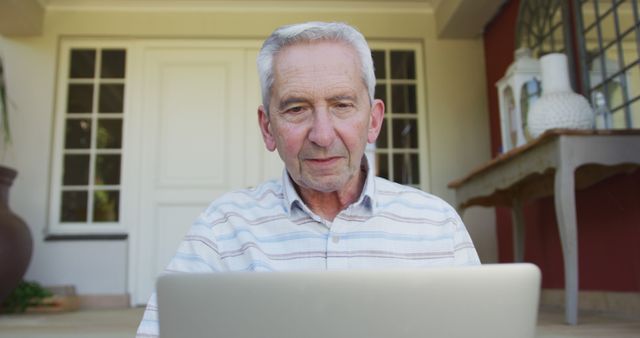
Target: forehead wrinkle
x,y
310,81
340,97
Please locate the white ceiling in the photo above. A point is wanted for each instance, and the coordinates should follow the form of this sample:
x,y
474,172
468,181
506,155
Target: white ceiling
x,y
427,4
454,18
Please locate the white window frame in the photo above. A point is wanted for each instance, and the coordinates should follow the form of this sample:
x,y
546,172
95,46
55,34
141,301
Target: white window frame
x,y
421,113
55,226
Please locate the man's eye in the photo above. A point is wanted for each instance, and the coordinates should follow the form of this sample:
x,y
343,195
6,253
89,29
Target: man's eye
x,y
343,106
297,109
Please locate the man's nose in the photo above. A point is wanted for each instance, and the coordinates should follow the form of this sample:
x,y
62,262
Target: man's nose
x,y
322,131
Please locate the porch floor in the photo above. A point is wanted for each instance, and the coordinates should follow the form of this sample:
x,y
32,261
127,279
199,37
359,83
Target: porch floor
x,y
123,323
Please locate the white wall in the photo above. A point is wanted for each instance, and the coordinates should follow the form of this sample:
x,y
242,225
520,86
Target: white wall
x,y
93,266
459,128
456,99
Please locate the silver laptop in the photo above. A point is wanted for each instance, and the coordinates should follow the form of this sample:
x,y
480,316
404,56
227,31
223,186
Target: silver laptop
x,y
497,301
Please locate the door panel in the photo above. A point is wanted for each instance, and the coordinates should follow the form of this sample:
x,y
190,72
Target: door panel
x,y
198,139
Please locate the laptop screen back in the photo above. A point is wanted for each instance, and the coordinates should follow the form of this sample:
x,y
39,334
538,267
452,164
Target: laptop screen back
x,y
497,301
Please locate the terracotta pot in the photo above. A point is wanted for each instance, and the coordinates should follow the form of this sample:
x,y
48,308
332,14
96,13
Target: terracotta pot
x,y
16,244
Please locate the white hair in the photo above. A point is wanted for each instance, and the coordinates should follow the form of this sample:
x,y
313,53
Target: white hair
x,y
309,32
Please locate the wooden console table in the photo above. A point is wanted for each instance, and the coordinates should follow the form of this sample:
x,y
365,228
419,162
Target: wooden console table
x,y
556,163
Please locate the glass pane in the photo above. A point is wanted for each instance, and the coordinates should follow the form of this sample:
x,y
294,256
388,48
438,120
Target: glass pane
x,y
107,170
612,61
382,163
633,82
403,99
626,22
629,56
405,133
77,134
106,206
113,64
608,25
557,37
76,170
381,92
601,110
614,90
587,15
591,41
600,69
405,169
603,8
403,65
530,92
110,133
74,206
557,29
80,98
635,114
381,142
83,64
379,64
619,121
111,98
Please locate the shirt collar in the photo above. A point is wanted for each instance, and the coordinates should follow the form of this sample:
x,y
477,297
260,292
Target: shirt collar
x,y
366,200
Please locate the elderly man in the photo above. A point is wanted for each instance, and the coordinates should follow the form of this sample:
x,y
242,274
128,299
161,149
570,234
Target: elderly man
x,y
328,211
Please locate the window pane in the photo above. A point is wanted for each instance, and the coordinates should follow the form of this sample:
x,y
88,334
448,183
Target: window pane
x,y
557,37
107,170
614,92
405,133
111,98
74,206
608,24
78,134
382,163
403,65
629,58
603,7
106,206
635,114
405,168
619,121
587,14
381,142
76,170
625,22
113,64
633,82
80,98
381,92
379,63
403,98
109,133
83,64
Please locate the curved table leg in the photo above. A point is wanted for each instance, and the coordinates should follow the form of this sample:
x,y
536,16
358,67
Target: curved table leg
x,y
565,203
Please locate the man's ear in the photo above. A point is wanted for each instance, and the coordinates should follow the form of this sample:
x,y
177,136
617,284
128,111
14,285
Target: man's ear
x,y
265,129
375,121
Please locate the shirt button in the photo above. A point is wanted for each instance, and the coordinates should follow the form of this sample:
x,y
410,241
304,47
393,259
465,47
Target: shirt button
x,y
335,239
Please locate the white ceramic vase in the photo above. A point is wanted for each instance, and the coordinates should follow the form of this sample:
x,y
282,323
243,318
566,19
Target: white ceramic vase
x,y
559,106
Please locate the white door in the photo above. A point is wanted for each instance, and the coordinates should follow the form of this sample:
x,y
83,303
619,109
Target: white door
x,y
197,137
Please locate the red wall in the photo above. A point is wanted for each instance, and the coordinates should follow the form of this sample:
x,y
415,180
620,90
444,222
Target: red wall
x,y
608,212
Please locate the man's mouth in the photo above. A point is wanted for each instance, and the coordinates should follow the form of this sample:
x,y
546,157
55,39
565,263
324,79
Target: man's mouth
x,y
324,160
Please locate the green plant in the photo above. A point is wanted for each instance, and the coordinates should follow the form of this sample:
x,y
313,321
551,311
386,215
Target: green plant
x,y
24,295
4,107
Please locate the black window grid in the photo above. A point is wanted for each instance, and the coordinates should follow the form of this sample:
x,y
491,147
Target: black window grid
x,y
606,45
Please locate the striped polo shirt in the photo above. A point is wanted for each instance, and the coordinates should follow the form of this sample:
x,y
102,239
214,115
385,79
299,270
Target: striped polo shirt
x,y
269,228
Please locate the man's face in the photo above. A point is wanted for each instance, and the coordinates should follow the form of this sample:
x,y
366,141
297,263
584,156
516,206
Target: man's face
x,y
320,117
